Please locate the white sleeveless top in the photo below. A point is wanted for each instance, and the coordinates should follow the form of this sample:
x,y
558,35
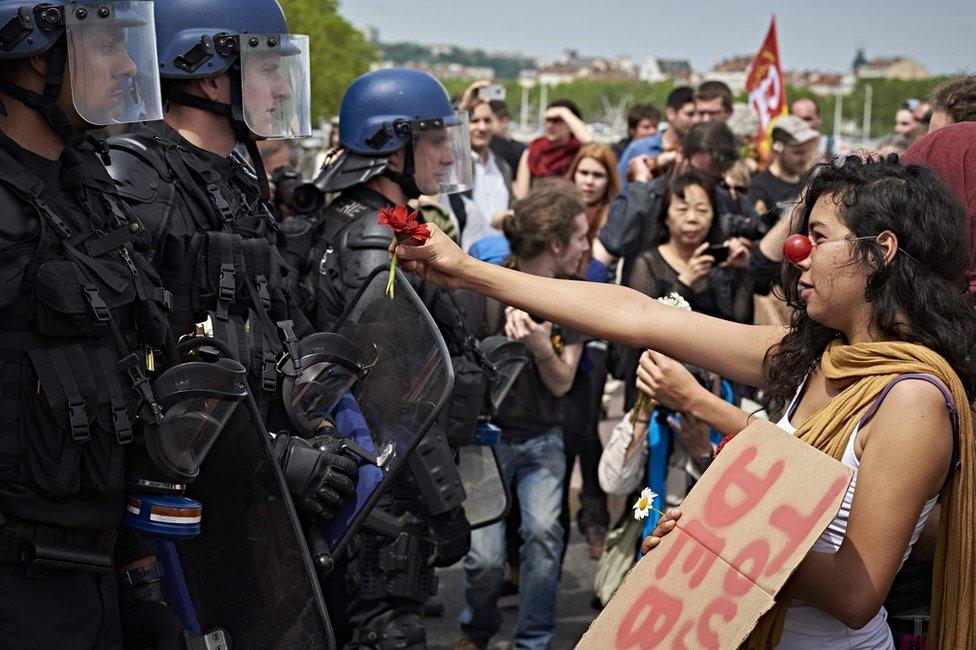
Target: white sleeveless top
x,y
809,628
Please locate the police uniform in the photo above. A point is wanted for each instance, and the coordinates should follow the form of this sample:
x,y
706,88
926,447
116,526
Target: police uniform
x,y
387,578
213,239
79,308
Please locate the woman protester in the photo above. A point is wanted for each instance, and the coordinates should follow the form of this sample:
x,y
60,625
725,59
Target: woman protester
x,y
878,346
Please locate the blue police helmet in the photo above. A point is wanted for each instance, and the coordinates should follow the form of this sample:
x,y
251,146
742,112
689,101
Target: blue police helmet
x,y
380,109
185,31
29,29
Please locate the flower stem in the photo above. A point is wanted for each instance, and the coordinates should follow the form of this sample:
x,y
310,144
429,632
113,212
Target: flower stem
x,y
389,284
642,405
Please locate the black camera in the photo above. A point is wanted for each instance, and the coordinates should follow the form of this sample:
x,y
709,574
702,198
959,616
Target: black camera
x,y
286,179
740,225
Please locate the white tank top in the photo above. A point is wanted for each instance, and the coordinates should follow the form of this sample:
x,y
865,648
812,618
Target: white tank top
x,y
809,628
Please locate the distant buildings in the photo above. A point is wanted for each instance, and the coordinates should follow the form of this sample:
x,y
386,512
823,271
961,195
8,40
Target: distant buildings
x,y
450,61
571,67
895,67
821,83
733,72
677,70
443,70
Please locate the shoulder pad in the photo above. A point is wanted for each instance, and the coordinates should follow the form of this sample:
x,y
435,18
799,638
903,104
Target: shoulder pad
x,y
367,232
18,180
344,208
18,221
139,168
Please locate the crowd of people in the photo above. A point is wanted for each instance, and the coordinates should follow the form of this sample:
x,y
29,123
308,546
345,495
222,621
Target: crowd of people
x,y
176,324
673,209
686,225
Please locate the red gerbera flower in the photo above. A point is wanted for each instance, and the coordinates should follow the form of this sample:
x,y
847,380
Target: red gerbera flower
x,y
406,227
404,224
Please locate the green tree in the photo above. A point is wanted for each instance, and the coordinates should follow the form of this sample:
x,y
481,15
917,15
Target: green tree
x,y
339,52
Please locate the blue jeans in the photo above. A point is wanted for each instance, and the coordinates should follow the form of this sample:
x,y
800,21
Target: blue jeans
x,y
535,469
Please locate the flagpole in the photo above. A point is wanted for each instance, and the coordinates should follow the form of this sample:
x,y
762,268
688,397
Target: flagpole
x,y
838,116
866,126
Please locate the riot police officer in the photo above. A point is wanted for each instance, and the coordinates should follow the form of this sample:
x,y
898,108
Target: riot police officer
x,y
232,74
80,310
400,137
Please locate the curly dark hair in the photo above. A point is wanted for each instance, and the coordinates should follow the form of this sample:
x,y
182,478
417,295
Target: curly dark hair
x,y
927,284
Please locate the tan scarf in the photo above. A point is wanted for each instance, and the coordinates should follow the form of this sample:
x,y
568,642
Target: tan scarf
x,y
864,370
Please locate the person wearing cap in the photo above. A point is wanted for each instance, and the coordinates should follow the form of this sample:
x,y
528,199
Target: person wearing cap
x,y
794,146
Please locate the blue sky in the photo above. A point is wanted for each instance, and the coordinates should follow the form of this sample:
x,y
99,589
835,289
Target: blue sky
x,y
822,34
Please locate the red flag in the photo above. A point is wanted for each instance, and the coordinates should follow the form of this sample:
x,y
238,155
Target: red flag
x,y
766,88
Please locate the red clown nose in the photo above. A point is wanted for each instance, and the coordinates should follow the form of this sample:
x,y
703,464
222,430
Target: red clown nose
x,y
797,248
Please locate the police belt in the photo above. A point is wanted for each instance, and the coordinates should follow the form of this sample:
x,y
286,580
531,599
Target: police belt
x,y
38,548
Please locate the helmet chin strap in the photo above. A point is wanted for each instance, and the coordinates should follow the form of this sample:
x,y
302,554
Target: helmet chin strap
x,y
405,179
234,112
48,104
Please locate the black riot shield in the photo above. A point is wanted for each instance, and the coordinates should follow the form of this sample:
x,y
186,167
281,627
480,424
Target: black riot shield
x,y
489,498
249,570
393,406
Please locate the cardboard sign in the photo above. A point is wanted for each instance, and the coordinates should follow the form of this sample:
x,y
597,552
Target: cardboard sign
x,y
745,527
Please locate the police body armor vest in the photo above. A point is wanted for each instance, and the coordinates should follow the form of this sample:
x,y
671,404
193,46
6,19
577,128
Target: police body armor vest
x,y
213,240
352,243
300,235
78,308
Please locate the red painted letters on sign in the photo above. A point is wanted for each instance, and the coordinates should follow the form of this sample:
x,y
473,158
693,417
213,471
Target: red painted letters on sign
x,y
747,524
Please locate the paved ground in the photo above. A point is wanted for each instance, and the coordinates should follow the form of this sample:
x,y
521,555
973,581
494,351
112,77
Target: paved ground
x,y
573,611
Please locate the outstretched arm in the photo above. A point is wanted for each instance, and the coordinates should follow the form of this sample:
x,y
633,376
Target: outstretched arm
x,y
610,312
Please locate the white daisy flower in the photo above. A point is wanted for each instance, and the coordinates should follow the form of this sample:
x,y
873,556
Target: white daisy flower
x,y
644,504
674,299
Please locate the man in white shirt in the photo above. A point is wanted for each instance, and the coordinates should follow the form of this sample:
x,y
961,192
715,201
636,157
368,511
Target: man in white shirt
x,y
479,211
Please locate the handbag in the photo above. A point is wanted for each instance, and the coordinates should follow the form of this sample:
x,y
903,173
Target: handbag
x,y
619,557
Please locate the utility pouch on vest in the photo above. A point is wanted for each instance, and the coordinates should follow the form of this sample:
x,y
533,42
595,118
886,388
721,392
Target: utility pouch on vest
x,y
76,420
155,302
71,302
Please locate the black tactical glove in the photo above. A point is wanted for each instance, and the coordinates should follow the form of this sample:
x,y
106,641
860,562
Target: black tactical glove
x,y
152,625
452,537
319,475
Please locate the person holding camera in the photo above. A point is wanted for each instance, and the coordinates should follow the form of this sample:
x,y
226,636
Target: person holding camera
x,y
692,258
631,225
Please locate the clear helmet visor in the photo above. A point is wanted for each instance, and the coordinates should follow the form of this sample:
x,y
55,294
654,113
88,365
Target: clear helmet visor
x,y
276,85
179,444
112,62
442,156
316,392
